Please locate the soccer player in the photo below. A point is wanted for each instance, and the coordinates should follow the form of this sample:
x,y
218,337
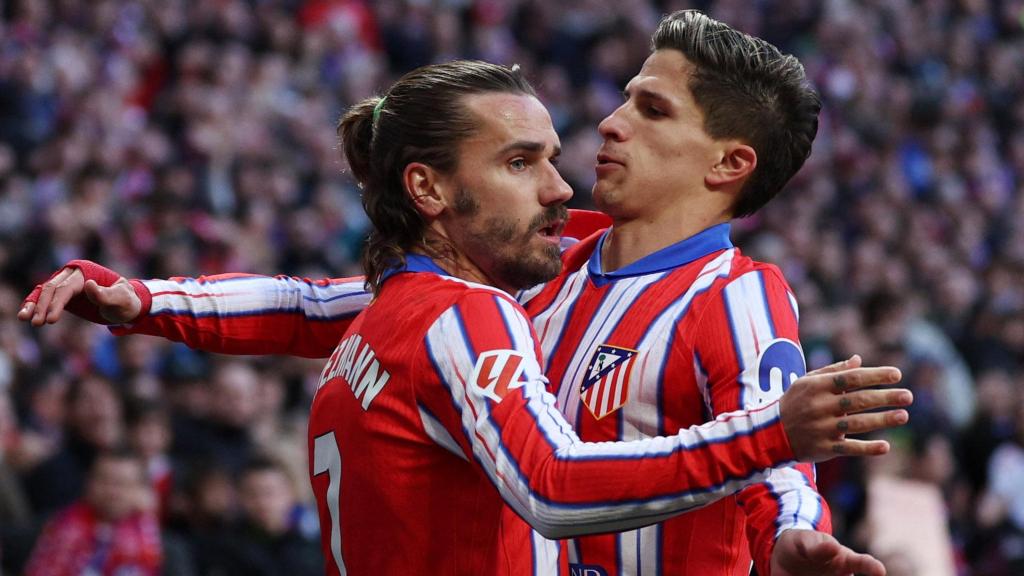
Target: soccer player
x,y
712,127
611,379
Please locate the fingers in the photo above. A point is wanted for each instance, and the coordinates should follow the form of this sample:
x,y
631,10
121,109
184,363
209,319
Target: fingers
x,y
851,362
856,378
850,447
26,310
45,295
863,400
863,423
53,296
61,296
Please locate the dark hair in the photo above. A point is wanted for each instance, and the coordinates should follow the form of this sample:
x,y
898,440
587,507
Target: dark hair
x,y
121,453
423,119
747,89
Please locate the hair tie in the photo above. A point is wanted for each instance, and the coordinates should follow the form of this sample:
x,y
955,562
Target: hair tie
x,y
376,111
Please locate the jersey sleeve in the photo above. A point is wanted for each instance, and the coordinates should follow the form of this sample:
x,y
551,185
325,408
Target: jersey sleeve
x,y
747,353
250,314
503,419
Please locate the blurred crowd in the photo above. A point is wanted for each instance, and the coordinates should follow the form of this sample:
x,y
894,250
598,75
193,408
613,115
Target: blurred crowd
x,y
186,137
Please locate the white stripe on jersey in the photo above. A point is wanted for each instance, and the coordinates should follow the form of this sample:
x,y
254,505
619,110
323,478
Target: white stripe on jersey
x,y
799,505
638,551
650,559
446,345
256,294
524,296
545,554
642,416
750,322
796,307
550,323
606,318
438,433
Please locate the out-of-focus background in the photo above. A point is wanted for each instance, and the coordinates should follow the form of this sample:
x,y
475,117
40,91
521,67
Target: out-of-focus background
x,y
186,137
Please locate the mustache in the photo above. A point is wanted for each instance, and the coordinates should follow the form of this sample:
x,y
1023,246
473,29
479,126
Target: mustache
x,y
549,216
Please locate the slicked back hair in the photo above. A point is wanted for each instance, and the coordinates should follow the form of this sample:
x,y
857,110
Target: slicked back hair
x,y
748,90
422,118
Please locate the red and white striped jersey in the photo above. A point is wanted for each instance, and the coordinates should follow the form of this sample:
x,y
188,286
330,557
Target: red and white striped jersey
x,y
692,331
432,414
685,334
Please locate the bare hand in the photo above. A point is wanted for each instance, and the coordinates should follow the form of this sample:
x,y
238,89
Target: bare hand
x,y
810,553
821,408
117,303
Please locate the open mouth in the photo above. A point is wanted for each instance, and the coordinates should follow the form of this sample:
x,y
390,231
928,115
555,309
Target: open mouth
x,y
552,230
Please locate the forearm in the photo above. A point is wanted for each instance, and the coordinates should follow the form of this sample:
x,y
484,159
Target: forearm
x,y
787,499
565,487
247,314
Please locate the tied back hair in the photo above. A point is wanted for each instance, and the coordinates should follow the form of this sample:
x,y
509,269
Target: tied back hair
x,y
423,119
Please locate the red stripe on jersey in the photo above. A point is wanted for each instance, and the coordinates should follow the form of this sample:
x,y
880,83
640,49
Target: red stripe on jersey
x,y
664,390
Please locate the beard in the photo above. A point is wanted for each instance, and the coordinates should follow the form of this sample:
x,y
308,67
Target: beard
x,y
516,260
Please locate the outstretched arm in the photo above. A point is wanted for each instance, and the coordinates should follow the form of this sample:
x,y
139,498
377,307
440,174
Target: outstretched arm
x,y
226,313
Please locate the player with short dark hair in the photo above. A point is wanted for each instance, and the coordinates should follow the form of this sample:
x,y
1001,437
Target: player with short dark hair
x,y
712,127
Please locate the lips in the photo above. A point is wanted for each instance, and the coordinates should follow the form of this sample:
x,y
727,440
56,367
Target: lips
x,y
606,158
553,228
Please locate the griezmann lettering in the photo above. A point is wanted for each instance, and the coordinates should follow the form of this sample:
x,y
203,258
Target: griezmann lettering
x,y
355,362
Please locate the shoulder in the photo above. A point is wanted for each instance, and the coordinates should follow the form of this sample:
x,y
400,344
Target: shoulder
x,y
742,273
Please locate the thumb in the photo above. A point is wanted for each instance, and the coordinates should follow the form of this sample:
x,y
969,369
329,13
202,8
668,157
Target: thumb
x,y
818,548
102,295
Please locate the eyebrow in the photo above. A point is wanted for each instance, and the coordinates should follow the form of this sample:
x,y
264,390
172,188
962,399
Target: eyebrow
x,y
528,146
648,94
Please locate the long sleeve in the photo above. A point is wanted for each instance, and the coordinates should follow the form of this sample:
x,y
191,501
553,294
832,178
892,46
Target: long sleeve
x,y
500,414
249,314
748,352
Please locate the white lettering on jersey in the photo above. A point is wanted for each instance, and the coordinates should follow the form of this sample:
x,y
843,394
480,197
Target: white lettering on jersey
x,y
496,372
355,362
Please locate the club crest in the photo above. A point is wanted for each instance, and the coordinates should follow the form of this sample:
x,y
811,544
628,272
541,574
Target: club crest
x,y
605,386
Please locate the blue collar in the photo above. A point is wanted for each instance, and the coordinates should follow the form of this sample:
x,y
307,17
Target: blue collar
x,y
683,252
414,263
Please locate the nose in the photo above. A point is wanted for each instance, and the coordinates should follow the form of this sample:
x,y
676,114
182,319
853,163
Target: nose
x,y
614,126
557,191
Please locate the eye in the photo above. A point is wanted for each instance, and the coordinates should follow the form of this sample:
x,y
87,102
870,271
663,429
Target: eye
x,y
555,160
518,164
654,112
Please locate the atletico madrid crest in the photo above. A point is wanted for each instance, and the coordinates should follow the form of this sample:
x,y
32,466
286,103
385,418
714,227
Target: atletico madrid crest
x,y
605,388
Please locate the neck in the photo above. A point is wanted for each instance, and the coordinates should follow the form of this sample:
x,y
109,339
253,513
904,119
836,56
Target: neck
x,y
443,252
631,239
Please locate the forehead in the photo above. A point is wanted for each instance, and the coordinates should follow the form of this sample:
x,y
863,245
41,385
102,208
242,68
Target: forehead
x,y
666,73
506,118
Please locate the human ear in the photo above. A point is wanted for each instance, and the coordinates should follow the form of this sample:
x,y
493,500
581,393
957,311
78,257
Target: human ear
x,y
424,187
737,163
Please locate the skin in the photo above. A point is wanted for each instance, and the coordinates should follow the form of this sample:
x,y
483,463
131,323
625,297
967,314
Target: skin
x,y
117,488
660,176
503,207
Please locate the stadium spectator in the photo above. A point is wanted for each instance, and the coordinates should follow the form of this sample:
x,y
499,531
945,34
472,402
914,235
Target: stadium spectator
x,y
112,530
